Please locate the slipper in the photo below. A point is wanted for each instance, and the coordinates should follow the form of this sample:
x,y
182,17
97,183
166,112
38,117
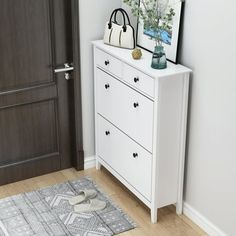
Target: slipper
x,y
83,196
93,205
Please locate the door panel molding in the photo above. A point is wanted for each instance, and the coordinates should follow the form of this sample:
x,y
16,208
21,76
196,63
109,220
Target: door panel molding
x,y
28,96
39,158
32,130
25,30
29,169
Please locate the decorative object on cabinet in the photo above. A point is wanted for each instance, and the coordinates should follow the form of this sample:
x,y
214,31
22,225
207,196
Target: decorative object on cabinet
x,y
159,58
158,24
119,35
137,54
140,121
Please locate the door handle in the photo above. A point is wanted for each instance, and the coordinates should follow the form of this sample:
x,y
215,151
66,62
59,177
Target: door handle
x,y
66,70
67,67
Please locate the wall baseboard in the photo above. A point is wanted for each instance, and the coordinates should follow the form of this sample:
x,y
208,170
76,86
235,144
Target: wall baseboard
x,y
89,162
202,221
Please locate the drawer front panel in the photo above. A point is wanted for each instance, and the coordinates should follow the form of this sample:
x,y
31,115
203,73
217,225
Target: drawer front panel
x,y
109,63
139,80
125,156
125,108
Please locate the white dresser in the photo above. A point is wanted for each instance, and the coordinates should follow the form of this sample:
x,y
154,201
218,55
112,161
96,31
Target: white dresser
x,y
140,120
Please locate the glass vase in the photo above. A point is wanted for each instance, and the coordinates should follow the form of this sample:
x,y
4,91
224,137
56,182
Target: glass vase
x,y
159,58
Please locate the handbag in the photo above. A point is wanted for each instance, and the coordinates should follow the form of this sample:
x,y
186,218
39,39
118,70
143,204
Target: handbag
x,y
119,35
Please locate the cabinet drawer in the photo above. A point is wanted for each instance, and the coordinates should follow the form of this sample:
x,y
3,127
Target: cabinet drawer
x,y
109,63
125,156
139,80
125,108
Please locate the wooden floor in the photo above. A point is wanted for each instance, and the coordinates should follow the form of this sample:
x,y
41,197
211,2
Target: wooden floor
x,y
168,224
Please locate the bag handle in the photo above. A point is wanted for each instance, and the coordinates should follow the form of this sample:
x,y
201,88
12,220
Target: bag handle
x,y
126,14
110,21
124,19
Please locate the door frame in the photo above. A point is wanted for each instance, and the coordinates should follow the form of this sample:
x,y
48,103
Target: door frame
x,y
78,162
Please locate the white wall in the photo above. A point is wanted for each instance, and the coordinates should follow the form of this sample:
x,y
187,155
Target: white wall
x,y
93,15
208,47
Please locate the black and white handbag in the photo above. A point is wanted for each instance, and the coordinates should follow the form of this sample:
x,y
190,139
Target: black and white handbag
x,y
119,35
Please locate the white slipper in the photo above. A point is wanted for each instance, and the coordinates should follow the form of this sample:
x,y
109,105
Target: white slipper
x,y
93,205
83,196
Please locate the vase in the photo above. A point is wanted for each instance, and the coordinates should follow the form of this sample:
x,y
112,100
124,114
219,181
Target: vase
x,y
159,58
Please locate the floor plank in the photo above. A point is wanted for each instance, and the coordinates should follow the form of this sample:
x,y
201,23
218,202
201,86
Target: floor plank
x,y
169,224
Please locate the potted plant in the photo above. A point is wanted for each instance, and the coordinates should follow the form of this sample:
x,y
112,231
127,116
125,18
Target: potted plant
x,y
157,17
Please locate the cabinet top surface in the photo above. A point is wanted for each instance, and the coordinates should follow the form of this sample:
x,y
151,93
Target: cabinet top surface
x,y
144,64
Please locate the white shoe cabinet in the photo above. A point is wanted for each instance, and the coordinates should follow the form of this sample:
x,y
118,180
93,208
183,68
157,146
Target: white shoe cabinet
x,y
140,121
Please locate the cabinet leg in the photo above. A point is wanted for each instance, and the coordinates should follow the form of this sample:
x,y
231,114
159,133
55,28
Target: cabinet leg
x,y
98,165
154,215
179,208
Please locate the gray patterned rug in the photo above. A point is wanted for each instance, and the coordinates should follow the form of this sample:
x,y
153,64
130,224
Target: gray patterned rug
x,y
47,212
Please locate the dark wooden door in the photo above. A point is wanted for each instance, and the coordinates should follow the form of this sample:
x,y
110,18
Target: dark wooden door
x,y
40,111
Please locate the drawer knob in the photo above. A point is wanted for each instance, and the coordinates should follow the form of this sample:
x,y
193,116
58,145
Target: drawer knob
x,y
107,86
107,133
136,104
135,155
107,62
136,79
